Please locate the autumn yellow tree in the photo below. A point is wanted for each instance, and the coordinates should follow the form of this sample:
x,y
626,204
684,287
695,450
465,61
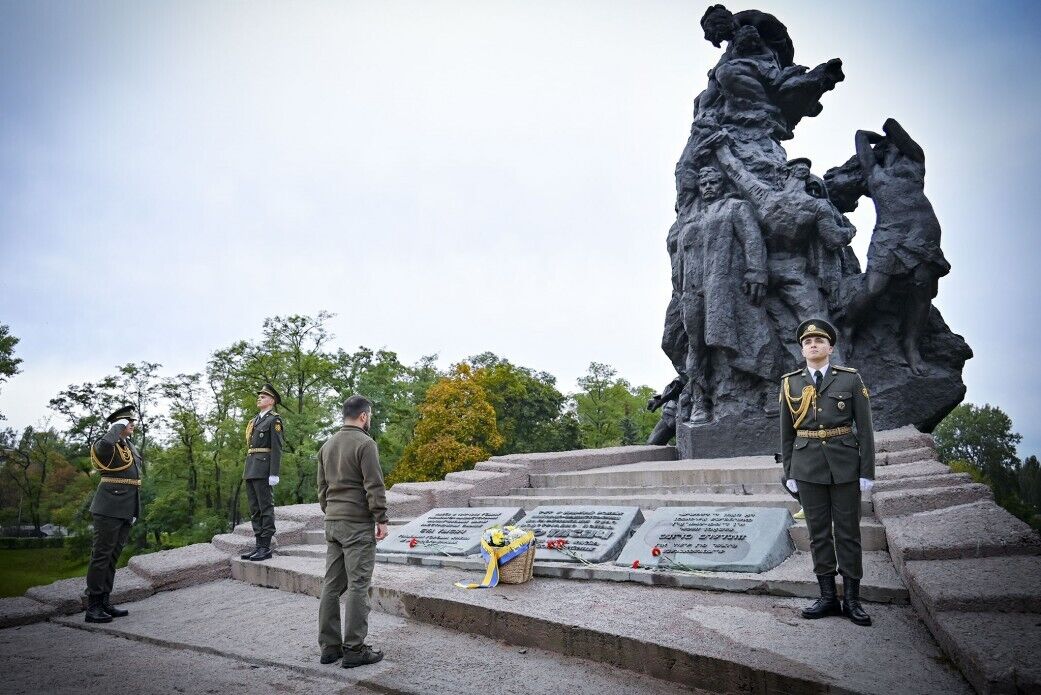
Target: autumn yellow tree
x,y
456,429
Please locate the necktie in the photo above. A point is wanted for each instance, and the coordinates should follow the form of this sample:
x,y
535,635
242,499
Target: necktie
x,y
817,378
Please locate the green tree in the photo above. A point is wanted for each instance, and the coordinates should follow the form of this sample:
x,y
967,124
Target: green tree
x,y
610,412
984,438
529,410
456,429
8,362
27,465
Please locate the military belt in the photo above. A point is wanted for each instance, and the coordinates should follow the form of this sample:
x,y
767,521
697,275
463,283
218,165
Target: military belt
x,y
121,481
259,451
824,434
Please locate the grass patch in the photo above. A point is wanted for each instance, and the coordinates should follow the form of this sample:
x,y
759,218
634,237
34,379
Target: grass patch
x,y
21,569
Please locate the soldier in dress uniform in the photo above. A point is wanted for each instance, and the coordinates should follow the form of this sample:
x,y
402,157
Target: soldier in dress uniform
x,y
263,459
828,453
116,507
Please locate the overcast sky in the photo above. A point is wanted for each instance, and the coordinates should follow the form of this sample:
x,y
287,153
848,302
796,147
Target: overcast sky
x,y
455,177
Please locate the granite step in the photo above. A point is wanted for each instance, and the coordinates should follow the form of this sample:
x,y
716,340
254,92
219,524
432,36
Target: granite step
x,y
872,535
745,469
652,501
723,641
713,488
793,577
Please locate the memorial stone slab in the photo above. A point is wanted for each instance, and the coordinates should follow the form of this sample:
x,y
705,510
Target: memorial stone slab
x,y
448,531
721,539
594,533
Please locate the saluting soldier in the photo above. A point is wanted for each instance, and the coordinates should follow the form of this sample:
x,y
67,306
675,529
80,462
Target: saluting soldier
x,y
263,460
828,452
116,507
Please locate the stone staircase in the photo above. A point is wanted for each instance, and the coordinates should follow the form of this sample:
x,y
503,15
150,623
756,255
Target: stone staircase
x,y
971,572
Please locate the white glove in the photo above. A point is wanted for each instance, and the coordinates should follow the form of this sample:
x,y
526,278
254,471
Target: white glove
x,y
791,485
866,484
272,480
133,521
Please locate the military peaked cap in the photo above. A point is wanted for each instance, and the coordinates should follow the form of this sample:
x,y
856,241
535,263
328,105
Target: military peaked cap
x,y
127,412
269,390
817,327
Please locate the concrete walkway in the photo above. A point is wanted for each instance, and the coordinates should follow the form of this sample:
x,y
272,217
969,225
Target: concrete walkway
x,y
228,637
723,642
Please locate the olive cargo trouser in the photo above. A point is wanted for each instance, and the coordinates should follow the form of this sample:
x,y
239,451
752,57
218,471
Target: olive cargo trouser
x,y
350,555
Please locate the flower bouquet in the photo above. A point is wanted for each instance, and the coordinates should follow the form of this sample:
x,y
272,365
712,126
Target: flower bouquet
x,y
509,552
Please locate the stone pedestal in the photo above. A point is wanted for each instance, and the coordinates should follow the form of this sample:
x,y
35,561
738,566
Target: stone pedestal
x,y
729,436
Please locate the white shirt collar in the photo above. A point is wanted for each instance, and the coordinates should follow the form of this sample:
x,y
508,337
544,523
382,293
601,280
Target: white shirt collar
x,y
262,413
823,370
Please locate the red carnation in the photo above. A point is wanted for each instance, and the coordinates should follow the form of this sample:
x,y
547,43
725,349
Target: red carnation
x,y
561,542
412,543
636,564
655,551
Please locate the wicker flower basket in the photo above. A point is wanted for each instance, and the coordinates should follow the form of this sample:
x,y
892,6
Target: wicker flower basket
x,y
519,569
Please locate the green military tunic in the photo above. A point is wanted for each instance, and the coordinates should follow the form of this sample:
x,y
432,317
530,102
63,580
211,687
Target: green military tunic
x,y
264,436
842,402
827,445
116,504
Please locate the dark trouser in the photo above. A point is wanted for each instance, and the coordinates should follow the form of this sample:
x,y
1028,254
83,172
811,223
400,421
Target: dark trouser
x,y
261,507
350,555
838,505
110,535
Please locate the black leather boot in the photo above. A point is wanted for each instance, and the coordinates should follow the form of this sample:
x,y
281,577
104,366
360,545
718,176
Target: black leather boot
x,y
95,613
250,553
851,602
263,549
828,603
107,606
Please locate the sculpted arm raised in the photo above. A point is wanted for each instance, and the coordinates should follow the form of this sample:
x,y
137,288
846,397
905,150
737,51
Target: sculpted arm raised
x,y
903,141
751,238
749,185
863,141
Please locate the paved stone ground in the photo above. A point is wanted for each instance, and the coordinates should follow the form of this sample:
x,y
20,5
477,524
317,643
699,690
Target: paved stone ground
x,y
229,637
731,642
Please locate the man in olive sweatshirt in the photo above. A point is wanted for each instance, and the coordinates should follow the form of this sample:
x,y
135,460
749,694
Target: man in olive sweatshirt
x,y
354,501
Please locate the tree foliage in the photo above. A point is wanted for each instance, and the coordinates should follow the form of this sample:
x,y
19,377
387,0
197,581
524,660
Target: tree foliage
x,y
456,429
610,411
980,440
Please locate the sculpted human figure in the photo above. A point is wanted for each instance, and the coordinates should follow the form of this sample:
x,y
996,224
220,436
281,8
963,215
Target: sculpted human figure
x,y
793,221
905,244
723,258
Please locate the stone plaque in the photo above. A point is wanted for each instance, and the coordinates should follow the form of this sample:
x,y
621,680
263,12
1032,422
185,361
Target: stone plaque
x,y
596,534
451,530
723,539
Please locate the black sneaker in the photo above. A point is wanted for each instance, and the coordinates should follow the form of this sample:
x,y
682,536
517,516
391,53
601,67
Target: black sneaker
x,y
361,657
330,656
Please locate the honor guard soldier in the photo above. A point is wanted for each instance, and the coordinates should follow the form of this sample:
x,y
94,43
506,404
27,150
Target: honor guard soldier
x,y
116,507
263,460
828,453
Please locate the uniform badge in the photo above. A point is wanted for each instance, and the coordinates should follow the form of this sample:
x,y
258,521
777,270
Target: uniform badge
x,y
841,405
866,394
278,426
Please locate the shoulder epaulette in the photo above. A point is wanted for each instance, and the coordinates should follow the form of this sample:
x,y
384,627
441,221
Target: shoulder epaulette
x,y
275,414
797,371
845,369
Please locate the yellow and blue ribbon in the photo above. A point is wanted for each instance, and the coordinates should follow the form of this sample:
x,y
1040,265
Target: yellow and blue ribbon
x,y
495,556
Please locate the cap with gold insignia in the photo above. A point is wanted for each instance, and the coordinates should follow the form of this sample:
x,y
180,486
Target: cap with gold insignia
x,y
269,390
818,327
127,412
